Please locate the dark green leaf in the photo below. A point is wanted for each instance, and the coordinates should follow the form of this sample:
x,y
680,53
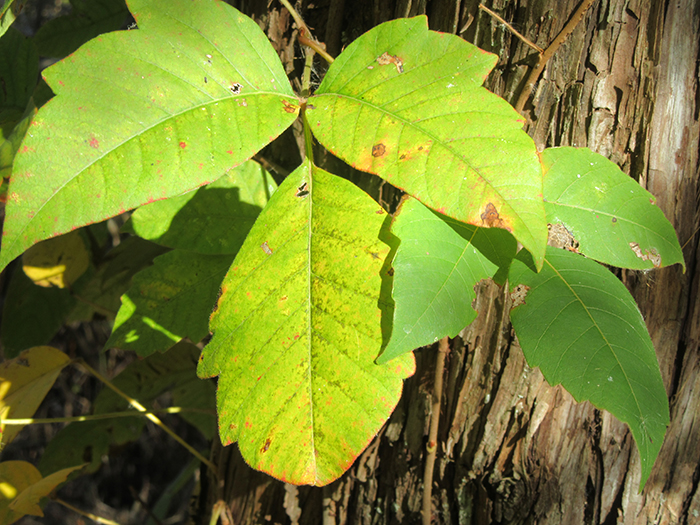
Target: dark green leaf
x,y
578,323
169,301
88,18
214,219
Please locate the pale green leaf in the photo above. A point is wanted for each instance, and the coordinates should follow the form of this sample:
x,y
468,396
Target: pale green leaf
x,y
144,115
436,267
297,329
608,215
407,104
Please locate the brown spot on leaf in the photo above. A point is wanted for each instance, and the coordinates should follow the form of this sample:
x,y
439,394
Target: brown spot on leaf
x,y
560,237
266,446
390,272
236,88
94,143
266,248
289,108
650,254
183,145
385,58
491,218
378,150
518,294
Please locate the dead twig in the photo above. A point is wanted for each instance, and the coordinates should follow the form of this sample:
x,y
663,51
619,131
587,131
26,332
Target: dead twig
x,y
443,349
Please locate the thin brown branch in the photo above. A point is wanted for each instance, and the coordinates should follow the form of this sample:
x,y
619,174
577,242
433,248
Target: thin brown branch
x,y
443,349
305,36
549,52
512,29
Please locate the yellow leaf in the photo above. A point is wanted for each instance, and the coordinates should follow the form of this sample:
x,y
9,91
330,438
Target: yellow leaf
x,y
57,262
24,381
16,476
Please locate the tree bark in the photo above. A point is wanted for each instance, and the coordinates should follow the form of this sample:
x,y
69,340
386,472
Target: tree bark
x,y
511,448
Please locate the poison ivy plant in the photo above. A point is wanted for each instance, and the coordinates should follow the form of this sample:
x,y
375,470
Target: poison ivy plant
x,y
321,294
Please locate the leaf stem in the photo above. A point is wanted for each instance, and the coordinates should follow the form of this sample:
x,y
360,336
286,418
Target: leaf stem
x,y
549,52
308,41
443,349
152,417
88,515
97,417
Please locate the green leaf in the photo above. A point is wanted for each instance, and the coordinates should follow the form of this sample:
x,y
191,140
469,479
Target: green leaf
x,y
103,288
35,316
8,13
169,301
146,114
19,70
214,219
609,215
582,328
24,382
144,380
88,18
407,104
436,268
297,329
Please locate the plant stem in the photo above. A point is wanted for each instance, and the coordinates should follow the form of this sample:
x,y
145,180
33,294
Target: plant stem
x,y
306,76
549,52
443,349
512,29
96,417
309,41
138,406
88,515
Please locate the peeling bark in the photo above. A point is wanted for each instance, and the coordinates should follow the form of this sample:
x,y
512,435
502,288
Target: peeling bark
x,y
511,448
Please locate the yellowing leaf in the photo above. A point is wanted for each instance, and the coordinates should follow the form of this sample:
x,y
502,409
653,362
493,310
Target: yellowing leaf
x,y
57,262
297,330
15,476
24,381
28,501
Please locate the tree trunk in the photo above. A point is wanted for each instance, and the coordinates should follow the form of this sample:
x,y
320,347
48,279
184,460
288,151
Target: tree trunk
x,y
511,448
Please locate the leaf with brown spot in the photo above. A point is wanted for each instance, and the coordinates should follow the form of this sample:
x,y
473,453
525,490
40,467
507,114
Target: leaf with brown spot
x,y
447,141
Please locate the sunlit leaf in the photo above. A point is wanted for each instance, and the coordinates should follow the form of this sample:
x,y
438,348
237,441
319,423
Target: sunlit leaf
x,y
15,476
436,267
57,262
578,323
214,219
146,114
28,502
24,382
169,301
608,215
407,104
297,329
